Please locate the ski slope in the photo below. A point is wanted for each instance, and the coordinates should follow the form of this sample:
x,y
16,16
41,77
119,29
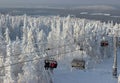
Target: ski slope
x,y
100,73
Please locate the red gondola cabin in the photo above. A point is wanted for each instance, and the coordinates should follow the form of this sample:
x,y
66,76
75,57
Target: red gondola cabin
x,y
104,43
50,64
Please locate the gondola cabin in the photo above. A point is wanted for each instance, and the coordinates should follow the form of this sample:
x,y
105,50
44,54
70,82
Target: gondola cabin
x,y
104,43
78,63
81,48
50,63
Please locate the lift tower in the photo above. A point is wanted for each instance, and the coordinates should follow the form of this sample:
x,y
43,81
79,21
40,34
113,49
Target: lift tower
x,y
115,56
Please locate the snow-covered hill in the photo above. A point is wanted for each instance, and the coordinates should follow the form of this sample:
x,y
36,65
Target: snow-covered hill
x,y
99,73
25,40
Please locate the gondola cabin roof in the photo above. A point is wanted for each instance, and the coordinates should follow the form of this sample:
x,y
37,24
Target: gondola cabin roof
x,y
78,60
51,61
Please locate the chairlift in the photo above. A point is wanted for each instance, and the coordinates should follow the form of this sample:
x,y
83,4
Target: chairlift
x,y
50,63
81,47
104,43
78,63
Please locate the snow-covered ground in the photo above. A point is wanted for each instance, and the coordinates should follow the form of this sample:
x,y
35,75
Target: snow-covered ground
x,y
100,73
89,76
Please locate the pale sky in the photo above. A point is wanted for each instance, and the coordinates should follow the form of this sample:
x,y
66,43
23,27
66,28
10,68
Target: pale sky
x,y
11,3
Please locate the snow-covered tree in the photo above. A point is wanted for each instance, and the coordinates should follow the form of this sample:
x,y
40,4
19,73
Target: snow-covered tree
x,y
9,76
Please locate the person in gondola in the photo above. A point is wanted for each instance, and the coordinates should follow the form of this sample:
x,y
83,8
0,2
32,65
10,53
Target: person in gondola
x,y
55,64
52,66
47,63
